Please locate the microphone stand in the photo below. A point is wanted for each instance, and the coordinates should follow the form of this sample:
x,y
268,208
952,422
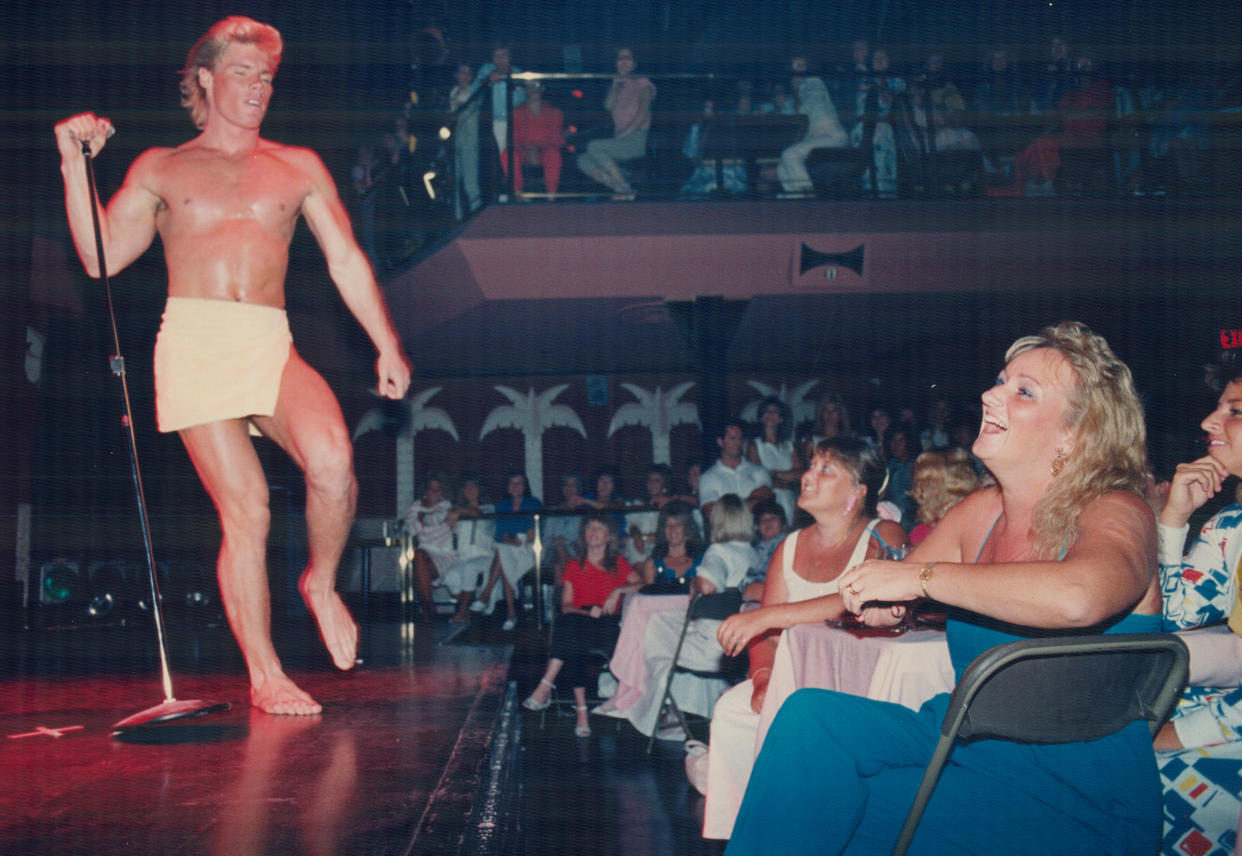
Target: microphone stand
x,y
170,709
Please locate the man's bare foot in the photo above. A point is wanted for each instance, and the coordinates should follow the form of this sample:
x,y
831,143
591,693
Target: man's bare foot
x,y
281,696
336,625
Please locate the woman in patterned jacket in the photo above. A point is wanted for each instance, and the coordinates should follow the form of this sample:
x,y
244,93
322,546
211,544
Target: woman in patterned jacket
x,y
1200,748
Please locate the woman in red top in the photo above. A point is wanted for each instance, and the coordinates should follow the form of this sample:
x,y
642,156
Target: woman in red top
x,y
593,586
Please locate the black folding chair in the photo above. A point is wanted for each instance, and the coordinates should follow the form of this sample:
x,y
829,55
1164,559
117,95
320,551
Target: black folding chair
x,y
1056,690
717,606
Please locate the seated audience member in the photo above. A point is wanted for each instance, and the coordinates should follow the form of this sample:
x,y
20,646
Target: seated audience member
x,y
770,525
560,533
607,494
840,490
678,549
887,87
999,99
900,463
1063,541
642,527
1179,149
629,100
475,544
880,421
936,434
538,137
590,605
942,478
430,519
832,419
927,134
1051,80
515,555
690,494
941,91
778,104
823,131
774,450
1200,748
733,473
1084,111
723,566
732,171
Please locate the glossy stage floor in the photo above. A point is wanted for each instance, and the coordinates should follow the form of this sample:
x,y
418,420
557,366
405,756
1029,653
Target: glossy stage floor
x,y
410,755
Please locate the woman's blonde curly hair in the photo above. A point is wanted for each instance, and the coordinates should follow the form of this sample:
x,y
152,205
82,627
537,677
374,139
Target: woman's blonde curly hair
x,y
1106,416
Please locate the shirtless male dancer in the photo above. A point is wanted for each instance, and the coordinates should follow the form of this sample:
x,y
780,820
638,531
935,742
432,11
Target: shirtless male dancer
x,y
225,205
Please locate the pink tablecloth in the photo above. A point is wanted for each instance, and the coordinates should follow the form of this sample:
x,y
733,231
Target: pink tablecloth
x,y
629,663
908,668
913,667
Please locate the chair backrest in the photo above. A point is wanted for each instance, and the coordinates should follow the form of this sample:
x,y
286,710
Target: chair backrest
x,y
1068,689
719,605
1062,689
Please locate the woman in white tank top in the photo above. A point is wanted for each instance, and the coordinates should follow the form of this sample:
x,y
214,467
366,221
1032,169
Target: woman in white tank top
x,y
840,490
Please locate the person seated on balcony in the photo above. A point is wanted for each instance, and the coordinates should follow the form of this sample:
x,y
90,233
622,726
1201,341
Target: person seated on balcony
x,y
538,137
1083,111
999,100
515,555
591,596
1199,750
430,519
887,88
1052,79
929,129
778,103
629,101
823,131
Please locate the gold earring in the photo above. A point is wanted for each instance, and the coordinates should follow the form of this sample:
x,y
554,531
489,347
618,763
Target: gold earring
x,y
1058,463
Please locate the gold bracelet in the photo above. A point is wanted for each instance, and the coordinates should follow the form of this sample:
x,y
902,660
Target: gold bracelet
x,y
924,576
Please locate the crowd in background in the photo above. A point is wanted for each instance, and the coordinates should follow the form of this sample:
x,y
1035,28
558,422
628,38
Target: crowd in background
x,y
1053,119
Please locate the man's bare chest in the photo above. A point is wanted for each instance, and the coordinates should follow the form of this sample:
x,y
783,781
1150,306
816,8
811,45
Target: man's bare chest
x,y
205,192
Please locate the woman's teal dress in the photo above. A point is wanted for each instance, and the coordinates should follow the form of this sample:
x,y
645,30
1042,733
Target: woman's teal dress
x,y
837,774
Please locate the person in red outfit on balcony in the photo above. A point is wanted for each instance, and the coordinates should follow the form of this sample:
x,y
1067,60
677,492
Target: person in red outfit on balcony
x,y
538,137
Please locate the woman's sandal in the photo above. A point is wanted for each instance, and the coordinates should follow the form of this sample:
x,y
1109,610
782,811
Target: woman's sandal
x,y
531,704
581,730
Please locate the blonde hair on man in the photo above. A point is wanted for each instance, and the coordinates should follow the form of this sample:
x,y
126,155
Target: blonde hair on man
x,y
207,50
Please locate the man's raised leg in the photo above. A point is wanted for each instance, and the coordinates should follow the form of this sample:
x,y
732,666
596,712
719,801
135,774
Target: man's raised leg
x,y
230,471
308,425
